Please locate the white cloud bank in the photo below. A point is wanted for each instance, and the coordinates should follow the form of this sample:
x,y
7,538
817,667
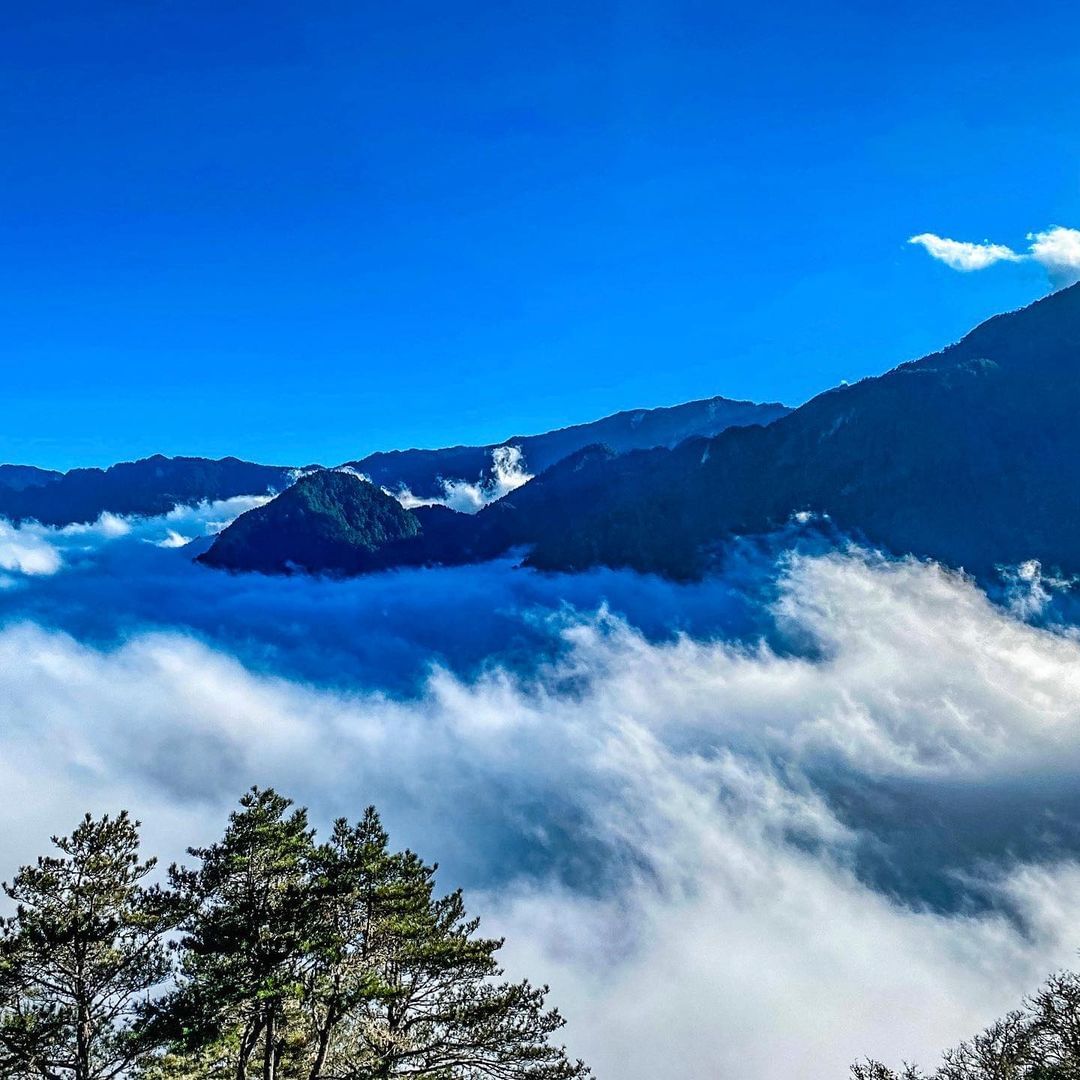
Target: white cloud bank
x,y
25,552
1056,249
30,549
730,936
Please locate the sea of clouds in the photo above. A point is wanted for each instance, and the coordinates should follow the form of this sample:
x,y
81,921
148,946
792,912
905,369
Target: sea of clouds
x,y
819,806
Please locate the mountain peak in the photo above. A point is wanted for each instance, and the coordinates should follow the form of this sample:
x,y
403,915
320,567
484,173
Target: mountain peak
x,y
330,522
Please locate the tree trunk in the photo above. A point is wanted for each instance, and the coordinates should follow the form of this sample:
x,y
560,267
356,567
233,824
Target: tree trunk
x,y
323,1046
247,1048
269,1049
82,1042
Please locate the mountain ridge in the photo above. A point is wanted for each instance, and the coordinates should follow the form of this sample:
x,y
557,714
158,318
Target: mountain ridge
x,y
422,471
155,484
970,455
148,486
958,456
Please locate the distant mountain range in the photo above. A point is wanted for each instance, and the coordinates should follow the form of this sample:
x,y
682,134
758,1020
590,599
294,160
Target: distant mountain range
x,y
21,477
151,486
970,456
424,472
156,484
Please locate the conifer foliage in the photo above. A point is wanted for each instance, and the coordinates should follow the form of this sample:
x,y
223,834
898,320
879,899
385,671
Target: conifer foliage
x,y
82,952
273,956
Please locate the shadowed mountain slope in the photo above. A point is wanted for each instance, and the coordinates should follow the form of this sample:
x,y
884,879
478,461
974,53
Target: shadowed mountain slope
x,y
970,456
21,477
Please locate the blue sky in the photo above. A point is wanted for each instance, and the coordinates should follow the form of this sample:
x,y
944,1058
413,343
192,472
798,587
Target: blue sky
x,y
300,232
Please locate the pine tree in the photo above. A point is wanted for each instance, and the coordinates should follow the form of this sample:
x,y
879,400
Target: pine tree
x,y
245,945
356,888
405,986
81,954
339,962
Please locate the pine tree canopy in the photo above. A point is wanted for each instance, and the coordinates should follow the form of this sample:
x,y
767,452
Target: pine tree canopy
x,y
271,956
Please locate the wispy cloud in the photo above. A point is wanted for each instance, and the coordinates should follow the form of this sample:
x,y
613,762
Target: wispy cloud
x,y
508,473
30,549
1056,249
965,256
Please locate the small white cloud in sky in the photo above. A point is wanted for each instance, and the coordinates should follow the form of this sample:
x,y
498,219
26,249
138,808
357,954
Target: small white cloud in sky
x,y
961,255
1056,250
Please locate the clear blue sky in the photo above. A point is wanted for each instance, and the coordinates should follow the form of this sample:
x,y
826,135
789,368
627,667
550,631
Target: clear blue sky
x,y
302,231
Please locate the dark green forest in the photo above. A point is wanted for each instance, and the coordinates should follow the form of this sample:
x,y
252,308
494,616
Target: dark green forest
x,y
272,955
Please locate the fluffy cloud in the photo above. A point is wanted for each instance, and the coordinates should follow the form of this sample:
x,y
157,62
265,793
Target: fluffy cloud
x,y
768,963
23,551
508,473
1056,249
30,549
962,255
667,831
